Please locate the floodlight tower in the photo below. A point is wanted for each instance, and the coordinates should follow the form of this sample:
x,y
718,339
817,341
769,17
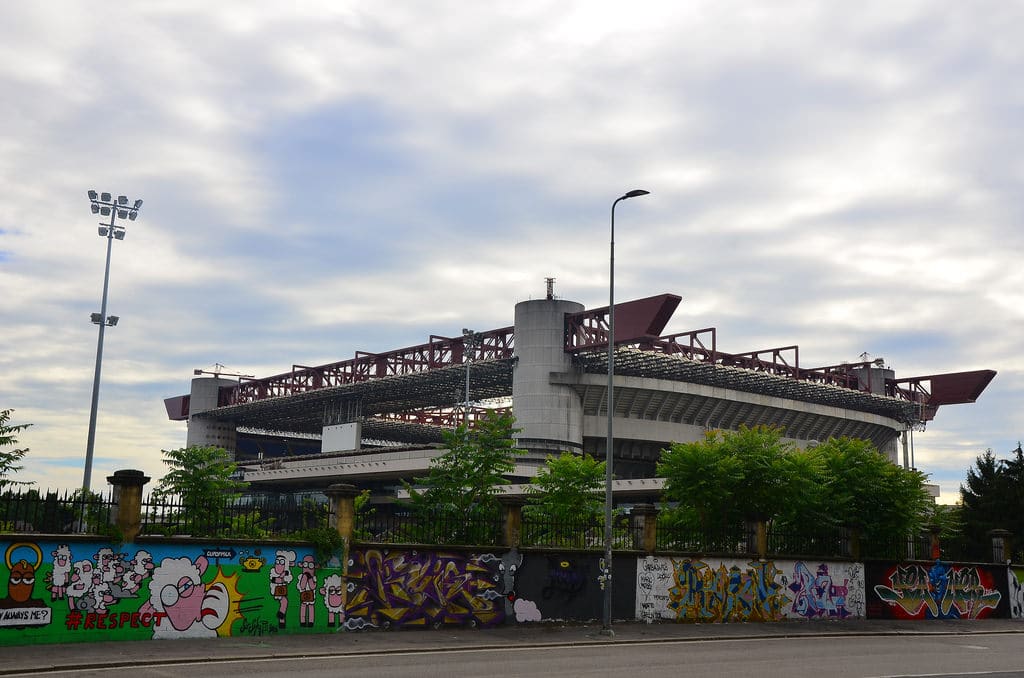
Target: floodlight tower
x,y
104,205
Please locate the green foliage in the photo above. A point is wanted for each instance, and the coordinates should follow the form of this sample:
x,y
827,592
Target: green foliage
x,y
200,476
733,476
10,458
993,498
863,489
568,487
457,500
326,541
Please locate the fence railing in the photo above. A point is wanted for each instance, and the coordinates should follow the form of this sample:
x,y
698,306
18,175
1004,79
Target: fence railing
x,y
827,542
737,539
439,527
29,510
252,517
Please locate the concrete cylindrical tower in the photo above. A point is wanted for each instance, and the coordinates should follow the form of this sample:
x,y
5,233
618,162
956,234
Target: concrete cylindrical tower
x,y
550,416
206,432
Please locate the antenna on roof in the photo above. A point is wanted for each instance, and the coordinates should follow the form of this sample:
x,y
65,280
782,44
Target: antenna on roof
x,y
551,287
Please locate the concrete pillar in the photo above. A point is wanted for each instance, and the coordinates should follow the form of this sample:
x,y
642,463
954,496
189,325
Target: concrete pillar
x,y
343,509
128,486
643,523
512,520
208,433
934,543
1002,548
550,416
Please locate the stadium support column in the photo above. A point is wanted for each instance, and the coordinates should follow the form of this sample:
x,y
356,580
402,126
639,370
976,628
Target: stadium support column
x,y
550,417
209,432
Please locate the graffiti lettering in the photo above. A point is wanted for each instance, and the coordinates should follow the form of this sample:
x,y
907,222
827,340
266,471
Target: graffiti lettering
x,y
941,591
564,579
705,594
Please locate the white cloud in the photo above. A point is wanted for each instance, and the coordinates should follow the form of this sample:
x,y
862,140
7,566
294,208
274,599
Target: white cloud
x,y
333,177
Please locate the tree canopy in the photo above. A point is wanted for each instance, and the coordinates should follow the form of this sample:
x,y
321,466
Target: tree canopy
x,y
732,476
10,458
200,476
568,488
993,498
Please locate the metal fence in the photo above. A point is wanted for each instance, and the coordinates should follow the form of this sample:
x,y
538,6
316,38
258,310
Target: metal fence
x,y
585,532
242,518
441,527
822,542
29,510
734,540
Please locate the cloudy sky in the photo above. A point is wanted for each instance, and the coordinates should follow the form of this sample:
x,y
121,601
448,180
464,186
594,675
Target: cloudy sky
x,y
326,177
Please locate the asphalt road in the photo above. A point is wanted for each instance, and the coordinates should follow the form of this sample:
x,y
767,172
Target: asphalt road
x,y
854,656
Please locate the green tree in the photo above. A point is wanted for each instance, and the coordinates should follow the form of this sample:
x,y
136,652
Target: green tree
x,y
202,479
993,498
864,490
568,487
10,458
732,476
459,493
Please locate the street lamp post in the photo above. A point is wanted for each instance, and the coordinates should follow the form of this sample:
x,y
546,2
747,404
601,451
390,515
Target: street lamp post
x,y
470,341
104,205
607,616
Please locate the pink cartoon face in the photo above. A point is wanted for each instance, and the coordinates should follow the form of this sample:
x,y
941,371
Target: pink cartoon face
x,y
333,598
188,602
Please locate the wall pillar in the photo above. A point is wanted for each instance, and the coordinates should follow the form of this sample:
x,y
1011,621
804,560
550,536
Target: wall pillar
x,y
643,524
343,510
512,520
934,543
1001,545
128,484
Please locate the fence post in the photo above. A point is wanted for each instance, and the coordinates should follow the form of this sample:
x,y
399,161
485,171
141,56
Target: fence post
x,y
934,543
855,545
127,493
1001,547
512,520
343,510
643,524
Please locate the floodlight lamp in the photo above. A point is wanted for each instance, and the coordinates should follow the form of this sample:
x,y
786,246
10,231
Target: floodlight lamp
x,y
133,215
122,214
122,200
197,372
95,208
105,211
102,230
95,318
93,195
112,320
105,197
138,203
118,234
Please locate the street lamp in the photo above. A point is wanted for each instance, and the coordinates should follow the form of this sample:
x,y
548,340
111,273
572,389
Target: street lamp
x,y
106,206
470,341
606,626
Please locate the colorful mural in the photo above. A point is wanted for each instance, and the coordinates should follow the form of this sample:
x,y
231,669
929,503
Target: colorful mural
x,y
1015,577
421,588
73,592
696,590
937,591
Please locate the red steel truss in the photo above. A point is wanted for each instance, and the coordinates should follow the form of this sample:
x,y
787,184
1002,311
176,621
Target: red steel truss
x,y
638,324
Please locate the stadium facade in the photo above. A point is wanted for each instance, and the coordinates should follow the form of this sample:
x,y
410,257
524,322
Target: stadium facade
x,y
378,418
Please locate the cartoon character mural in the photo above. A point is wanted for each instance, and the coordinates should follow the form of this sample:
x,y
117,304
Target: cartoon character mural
x,y
280,577
939,591
141,567
61,572
306,586
184,606
79,591
18,608
334,601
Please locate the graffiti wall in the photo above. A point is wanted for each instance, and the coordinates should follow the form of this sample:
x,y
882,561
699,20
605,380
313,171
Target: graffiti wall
x,y
82,591
732,590
1015,576
393,588
557,586
938,590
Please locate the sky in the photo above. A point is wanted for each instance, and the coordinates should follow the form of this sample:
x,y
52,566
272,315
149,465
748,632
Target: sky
x,y
322,178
